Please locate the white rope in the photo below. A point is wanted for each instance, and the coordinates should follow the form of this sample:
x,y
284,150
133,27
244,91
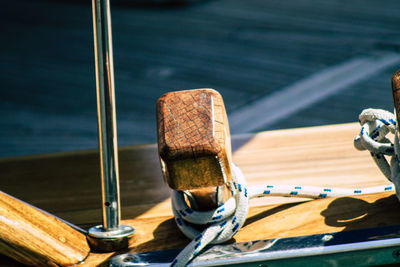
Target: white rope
x,y
375,125
225,221
313,192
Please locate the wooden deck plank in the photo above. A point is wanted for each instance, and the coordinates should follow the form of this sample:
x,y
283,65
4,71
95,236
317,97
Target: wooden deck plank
x,y
322,156
67,185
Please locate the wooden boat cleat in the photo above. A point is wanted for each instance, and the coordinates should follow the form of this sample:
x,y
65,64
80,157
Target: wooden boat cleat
x,y
396,93
194,145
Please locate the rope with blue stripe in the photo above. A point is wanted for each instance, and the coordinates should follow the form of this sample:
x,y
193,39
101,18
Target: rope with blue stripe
x,y
375,125
225,221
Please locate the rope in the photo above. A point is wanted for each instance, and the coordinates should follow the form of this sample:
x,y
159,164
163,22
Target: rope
x,y
225,221
375,125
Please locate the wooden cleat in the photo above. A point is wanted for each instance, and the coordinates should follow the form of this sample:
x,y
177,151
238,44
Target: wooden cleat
x,y
396,92
194,141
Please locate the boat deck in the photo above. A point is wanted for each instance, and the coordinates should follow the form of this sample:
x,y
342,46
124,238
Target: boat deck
x,y
67,185
247,50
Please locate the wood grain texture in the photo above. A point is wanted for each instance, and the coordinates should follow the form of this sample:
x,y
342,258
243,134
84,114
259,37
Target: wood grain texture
x,y
194,139
65,184
36,238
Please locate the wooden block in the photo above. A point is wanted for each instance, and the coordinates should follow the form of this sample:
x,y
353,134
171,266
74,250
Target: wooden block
x,y
396,92
193,139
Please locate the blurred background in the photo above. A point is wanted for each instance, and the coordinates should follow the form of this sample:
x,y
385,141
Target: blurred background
x,y
278,64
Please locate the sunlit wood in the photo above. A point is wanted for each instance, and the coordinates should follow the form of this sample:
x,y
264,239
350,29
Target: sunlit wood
x,y
67,185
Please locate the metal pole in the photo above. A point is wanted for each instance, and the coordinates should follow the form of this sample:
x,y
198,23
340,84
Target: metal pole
x,y
107,124
106,114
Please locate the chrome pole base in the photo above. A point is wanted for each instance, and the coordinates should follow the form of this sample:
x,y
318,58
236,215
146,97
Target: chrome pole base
x,y
102,240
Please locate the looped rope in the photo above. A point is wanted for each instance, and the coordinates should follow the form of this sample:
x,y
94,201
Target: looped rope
x,y
375,125
223,222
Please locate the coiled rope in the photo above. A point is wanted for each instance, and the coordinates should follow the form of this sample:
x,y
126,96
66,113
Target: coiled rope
x,y
375,125
225,221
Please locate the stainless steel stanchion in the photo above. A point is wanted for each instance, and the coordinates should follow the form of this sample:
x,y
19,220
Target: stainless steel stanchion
x,y
111,235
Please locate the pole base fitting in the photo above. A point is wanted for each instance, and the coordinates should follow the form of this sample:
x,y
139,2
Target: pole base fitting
x,y
102,240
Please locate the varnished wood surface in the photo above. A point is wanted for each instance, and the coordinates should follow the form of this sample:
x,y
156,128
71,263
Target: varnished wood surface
x,y
396,93
68,185
36,238
194,139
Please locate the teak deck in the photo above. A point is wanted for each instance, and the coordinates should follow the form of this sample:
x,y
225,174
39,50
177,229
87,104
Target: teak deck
x,y
68,186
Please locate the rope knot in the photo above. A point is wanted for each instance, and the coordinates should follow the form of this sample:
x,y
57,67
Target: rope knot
x,y
375,125
222,223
